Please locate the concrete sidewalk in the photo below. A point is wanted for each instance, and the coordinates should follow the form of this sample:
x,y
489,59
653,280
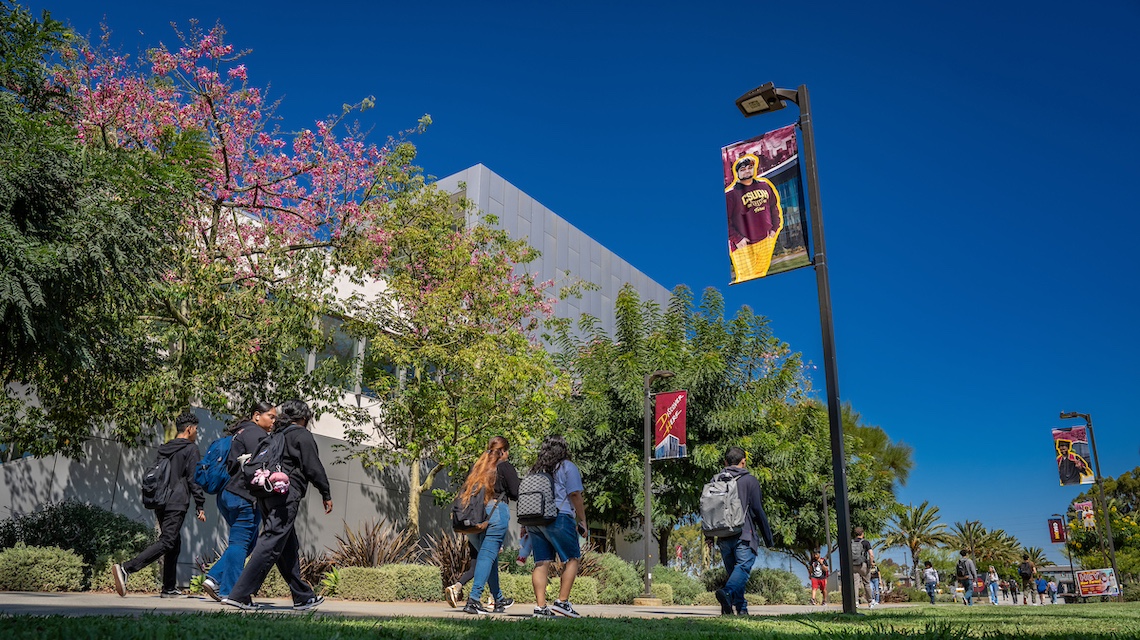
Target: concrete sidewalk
x,y
104,604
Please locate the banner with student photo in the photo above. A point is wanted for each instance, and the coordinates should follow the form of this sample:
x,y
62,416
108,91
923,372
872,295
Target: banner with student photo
x,y
1071,446
764,198
1085,510
1097,582
669,413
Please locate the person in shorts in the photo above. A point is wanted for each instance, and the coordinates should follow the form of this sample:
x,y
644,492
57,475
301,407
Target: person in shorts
x,y
559,538
817,571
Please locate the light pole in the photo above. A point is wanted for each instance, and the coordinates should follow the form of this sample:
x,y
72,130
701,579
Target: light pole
x,y
1069,415
826,529
648,515
1068,551
765,99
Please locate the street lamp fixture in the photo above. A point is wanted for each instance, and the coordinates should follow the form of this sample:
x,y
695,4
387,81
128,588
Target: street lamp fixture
x,y
648,514
764,99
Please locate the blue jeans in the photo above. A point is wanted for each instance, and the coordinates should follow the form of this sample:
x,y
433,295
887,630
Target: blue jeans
x,y
738,559
930,587
968,591
875,590
243,520
488,543
993,592
559,538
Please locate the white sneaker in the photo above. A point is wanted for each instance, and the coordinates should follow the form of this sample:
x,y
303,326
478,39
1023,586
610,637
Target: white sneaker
x,y
451,594
564,608
211,588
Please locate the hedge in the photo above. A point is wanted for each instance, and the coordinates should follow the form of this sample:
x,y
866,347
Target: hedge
x,y
147,580
685,587
24,568
390,583
519,588
708,599
618,581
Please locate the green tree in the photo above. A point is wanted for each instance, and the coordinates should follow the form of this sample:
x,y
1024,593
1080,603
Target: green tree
x,y
451,351
1123,494
894,460
916,529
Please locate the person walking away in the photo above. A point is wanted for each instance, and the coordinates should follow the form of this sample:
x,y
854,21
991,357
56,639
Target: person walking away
x,y
967,574
236,503
277,544
1052,591
992,581
738,552
1013,591
560,538
930,579
876,593
1042,588
862,557
495,477
1004,590
1026,570
818,571
181,454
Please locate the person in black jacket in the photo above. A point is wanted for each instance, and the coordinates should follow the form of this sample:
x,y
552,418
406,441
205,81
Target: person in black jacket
x,y
184,456
237,505
739,552
497,481
277,544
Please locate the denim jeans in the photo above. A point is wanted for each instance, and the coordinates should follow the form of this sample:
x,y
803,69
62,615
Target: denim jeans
x,y
488,543
558,539
875,590
968,591
738,559
930,587
242,519
993,592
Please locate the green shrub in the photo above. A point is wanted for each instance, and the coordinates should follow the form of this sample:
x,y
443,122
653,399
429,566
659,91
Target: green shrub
x,y
146,580
685,587
274,585
708,599
584,591
618,580
390,583
91,532
662,590
24,568
713,579
755,599
778,586
516,586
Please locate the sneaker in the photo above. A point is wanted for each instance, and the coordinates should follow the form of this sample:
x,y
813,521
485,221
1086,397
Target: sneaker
x,y
725,603
475,608
315,601
170,593
244,606
502,605
565,608
871,606
452,593
211,589
120,575
742,612
542,612
813,602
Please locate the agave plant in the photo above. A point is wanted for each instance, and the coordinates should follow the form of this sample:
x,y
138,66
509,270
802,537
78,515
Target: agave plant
x,y
451,553
376,544
315,565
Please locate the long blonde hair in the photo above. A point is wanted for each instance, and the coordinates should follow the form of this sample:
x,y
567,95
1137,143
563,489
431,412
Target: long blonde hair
x,y
484,474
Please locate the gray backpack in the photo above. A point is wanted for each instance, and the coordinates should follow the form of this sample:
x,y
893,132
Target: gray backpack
x,y
858,553
535,506
722,514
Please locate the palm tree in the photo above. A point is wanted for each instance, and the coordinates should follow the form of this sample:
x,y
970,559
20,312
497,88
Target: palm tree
x,y
916,528
1036,556
969,535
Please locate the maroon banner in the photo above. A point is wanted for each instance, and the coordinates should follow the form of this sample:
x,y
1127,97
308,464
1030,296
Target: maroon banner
x,y
669,425
1056,530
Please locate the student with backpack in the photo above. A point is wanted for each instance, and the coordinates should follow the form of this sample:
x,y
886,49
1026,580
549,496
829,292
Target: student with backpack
x,y
738,522
491,485
817,571
967,574
1026,570
930,579
279,474
862,557
167,488
552,508
235,503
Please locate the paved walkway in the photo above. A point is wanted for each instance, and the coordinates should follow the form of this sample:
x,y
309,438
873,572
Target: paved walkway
x,y
100,604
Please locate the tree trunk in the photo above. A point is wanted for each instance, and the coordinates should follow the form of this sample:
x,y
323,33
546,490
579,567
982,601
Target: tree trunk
x,y
663,555
414,494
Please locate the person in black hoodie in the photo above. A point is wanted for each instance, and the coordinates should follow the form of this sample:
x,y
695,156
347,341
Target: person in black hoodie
x,y
237,505
277,544
184,456
739,551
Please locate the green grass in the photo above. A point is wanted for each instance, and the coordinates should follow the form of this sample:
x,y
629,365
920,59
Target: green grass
x,y
1079,622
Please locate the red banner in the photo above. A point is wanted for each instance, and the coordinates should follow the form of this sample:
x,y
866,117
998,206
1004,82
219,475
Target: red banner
x,y
669,425
1056,530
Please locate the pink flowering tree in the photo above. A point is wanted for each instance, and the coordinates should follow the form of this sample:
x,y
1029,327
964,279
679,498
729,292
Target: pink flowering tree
x,y
261,231
453,354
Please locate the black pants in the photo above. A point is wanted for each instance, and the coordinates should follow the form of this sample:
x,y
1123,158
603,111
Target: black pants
x,y
168,547
466,576
276,545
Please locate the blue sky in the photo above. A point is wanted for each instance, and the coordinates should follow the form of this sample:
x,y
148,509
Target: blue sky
x,y
975,162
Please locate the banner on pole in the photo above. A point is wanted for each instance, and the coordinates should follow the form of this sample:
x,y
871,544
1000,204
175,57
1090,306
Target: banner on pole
x,y
763,194
1057,530
1088,516
1072,448
1097,582
669,425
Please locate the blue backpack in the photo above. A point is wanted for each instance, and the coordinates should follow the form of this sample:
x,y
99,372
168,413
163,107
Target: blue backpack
x,y
212,473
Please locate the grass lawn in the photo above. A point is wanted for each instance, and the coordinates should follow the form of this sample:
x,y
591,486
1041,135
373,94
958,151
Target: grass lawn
x,y
1083,622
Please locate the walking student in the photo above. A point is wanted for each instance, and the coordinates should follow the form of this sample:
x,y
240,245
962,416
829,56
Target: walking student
x,y
1042,589
278,544
967,573
862,557
181,454
876,593
739,551
1026,570
930,578
992,581
818,571
559,538
496,479
237,505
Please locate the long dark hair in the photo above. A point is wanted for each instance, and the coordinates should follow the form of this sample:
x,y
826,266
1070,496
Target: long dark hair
x,y
292,412
260,407
551,453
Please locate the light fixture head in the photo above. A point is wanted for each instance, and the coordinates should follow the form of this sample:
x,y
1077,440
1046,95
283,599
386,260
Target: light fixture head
x,y
762,99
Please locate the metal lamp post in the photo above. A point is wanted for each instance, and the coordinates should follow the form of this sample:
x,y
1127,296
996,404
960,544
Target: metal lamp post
x,y
648,515
1069,415
1068,551
765,99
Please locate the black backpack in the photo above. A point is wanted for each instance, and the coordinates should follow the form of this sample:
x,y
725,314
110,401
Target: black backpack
x,y
1025,569
471,517
156,485
962,570
264,461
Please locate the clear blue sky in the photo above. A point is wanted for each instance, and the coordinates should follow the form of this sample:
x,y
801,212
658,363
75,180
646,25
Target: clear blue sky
x,y
978,165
